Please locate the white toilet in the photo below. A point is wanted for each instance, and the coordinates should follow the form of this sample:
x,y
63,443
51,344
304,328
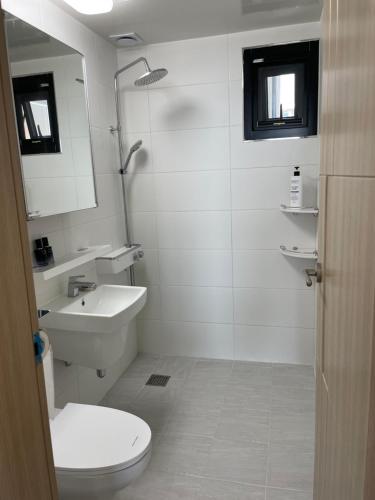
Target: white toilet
x,y
97,451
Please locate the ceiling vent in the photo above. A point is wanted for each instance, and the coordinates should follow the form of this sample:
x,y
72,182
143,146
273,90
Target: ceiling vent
x,y
127,39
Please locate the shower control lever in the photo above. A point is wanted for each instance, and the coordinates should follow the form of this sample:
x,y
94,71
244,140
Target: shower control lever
x,y
314,273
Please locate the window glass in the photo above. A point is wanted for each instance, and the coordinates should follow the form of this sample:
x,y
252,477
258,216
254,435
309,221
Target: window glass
x,y
281,96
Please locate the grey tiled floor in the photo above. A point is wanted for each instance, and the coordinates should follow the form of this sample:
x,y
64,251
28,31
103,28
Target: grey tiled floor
x,y
222,430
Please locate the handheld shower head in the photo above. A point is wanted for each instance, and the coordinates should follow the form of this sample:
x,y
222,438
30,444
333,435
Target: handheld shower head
x,y
132,150
135,147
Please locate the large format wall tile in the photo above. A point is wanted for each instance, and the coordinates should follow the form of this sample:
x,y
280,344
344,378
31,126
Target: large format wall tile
x,y
186,150
274,344
194,230
193,191
272,307
196,267
186,107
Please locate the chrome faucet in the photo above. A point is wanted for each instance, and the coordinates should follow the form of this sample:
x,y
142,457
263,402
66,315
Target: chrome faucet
x,y
75,286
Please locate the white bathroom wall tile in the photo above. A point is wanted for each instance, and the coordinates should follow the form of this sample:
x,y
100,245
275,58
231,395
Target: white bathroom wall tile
x,y
194,230
152,309
38,227
268,229
191,61
56,195
272,307
97,232
185,150
196,267
141,192
117,228
106,61
85,192
186,339
144,229
135,111
105,151
78,120
187,107
267,188
268,36
48,166
268,269
96,104
281,152
147,269
108,192
236,103
274,344
197,304
193,191
81,152
141,162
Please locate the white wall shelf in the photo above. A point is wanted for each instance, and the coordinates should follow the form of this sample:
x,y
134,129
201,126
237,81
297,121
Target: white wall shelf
x,y
72,261
299,253
301,210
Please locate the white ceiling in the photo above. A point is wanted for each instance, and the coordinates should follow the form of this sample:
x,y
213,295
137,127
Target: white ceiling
x,y
166,20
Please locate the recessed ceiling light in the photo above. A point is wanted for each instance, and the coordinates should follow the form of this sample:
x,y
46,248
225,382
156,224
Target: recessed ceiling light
x,y
91,6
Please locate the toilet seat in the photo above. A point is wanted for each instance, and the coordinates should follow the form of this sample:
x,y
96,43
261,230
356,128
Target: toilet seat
x,y
94,440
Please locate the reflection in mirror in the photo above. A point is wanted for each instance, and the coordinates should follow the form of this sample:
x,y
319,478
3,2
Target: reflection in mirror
x,y
52,121
281,96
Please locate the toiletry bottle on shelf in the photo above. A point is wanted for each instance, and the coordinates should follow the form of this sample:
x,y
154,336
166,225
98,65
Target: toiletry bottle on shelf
x,y
296,189
47,247
40,253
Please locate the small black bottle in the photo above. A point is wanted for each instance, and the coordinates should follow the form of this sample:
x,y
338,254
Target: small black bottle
x,y
40,253
47,247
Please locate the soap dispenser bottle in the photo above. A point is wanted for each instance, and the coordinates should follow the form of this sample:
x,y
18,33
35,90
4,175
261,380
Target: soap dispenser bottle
x,y
296,189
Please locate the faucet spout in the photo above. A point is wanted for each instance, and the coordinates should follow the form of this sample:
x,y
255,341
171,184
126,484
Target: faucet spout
x,y
75,286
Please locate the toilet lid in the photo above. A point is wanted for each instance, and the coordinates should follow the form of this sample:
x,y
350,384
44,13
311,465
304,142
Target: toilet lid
x,y
89,438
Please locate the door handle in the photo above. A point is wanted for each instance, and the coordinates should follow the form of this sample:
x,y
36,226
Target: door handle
x,y
314,273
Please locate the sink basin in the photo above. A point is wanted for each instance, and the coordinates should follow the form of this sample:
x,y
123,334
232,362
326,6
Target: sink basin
x,y
91,329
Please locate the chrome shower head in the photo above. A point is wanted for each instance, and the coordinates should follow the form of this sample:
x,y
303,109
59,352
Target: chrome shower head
x,y
132,150
151,76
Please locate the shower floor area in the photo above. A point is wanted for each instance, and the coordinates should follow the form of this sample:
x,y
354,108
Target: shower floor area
x,y
222,429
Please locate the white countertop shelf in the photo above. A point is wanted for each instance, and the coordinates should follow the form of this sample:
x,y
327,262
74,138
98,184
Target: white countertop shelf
x,y
299,253
72,261
301,210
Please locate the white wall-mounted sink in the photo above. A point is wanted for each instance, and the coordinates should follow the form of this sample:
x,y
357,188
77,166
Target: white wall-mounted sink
x,y
90,330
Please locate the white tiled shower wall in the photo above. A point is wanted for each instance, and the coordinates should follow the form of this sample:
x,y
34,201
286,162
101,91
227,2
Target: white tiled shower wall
x,y
205,205
87,227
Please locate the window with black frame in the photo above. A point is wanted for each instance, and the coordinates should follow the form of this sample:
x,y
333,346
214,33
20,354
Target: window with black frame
x,y
281,90
35,104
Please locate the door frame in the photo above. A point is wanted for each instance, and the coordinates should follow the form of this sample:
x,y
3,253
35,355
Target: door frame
x,y
26,460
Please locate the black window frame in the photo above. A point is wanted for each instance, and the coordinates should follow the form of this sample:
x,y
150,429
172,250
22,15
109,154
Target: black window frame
x,y
25,89
301,58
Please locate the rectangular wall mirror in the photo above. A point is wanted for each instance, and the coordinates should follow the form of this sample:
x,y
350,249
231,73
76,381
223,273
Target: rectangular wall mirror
x,y
51,109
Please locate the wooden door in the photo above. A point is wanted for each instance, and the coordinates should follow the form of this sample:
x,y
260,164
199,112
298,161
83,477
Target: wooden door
x,y
26,463
345,430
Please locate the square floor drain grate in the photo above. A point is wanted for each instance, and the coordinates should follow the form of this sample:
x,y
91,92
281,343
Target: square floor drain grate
x,y
158,380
